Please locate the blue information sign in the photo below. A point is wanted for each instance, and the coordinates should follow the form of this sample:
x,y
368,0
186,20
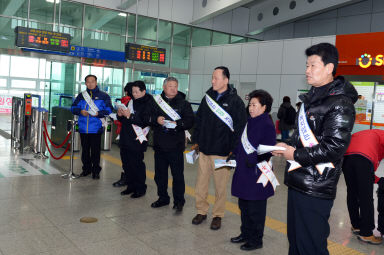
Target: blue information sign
x,y
86,52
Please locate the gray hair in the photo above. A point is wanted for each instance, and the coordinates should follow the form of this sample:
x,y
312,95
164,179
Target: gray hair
x,y
170,78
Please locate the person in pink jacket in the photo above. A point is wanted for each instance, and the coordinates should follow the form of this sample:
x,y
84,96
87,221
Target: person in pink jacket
x,y
361,161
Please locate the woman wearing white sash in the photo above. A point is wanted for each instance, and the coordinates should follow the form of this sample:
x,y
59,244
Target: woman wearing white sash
x,y
132,141
253,195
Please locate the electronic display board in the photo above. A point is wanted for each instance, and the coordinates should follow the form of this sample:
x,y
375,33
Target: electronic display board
x,y
144,53
42,39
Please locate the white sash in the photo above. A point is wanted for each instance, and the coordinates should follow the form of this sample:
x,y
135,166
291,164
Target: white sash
x,y
220,112
245,142
267,174
170,112
93,106
308,139
141,133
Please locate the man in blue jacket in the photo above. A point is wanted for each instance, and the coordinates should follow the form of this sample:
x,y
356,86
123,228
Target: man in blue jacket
x,y
92,105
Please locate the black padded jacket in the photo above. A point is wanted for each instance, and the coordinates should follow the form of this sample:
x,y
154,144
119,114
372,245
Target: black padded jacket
x,y
212,135
140,118
330,114
172,140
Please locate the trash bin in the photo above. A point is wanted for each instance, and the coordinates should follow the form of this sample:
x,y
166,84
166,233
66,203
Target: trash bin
x,y
106,138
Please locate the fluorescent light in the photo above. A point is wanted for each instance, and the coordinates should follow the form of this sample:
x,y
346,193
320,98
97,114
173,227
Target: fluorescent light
x,y
52,1
122,14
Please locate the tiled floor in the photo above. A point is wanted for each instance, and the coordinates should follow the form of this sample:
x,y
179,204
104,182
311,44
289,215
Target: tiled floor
x,y
40,215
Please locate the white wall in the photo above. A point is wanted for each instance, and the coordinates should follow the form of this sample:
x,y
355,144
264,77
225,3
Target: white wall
x,y
275,66
180,11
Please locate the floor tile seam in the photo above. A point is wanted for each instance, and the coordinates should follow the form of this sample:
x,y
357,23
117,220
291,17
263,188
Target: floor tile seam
x,y
281,228
55,226
154,248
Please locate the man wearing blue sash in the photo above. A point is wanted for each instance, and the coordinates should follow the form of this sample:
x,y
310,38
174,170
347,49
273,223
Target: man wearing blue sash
x,y
220,121
92,105
315,152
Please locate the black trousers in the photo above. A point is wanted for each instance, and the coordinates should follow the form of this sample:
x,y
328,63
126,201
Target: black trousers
x,y
90,152
134,169
359,177
307,224
175,161
253,214
380,209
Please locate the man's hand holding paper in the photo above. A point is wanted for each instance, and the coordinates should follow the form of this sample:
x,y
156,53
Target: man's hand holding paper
x,y
287,153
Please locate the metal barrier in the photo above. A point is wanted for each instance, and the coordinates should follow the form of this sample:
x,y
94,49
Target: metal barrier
x,y
71,175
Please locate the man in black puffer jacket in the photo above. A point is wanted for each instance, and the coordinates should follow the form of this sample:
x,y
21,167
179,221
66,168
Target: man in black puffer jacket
x,y
330,115
220,121
172,115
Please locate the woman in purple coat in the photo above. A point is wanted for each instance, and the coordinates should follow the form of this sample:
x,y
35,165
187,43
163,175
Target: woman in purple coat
x,y
253,195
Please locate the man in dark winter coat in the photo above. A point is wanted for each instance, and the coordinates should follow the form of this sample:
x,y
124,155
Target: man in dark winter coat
x,y
220,120
133,142
316,149
92,105
283,115
171,118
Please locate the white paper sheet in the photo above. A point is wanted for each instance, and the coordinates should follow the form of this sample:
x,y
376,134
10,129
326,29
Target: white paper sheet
x,y
120,105
267,148
191,157
222,162
169,124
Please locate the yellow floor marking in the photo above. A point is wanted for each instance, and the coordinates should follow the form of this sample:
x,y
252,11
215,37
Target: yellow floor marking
x,y
68,157
333,247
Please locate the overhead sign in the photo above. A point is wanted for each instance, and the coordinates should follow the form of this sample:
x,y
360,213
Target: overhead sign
x,y
144,53
361,54
86,52
42,39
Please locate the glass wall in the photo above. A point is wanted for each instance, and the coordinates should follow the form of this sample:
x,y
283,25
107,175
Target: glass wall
x,y
94,27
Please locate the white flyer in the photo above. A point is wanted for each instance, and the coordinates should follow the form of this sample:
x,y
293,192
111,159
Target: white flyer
x,y
120,105
222,163
169,124
267,148
191,157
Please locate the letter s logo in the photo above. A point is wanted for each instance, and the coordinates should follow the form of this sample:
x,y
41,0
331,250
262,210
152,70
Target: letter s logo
x,y
379,60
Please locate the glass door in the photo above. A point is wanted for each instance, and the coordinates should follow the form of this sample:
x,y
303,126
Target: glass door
x,y
364,105
378,107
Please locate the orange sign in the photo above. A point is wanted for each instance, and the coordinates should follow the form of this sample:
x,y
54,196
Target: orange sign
x,y
361,54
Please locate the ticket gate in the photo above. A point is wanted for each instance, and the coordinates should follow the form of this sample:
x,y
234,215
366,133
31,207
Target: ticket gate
x,y
26,124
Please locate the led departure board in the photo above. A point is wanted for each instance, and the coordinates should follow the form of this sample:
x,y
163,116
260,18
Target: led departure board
x,y
42,39
144,53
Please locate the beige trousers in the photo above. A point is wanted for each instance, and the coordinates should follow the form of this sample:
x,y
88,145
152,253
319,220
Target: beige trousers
x,y
220,177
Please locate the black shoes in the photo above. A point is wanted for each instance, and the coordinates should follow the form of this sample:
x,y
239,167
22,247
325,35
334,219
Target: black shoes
x,y
95,176
238,239
126,192
120,183
216,223
137,194
85,173
178,207
249,247
159,203
198,219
